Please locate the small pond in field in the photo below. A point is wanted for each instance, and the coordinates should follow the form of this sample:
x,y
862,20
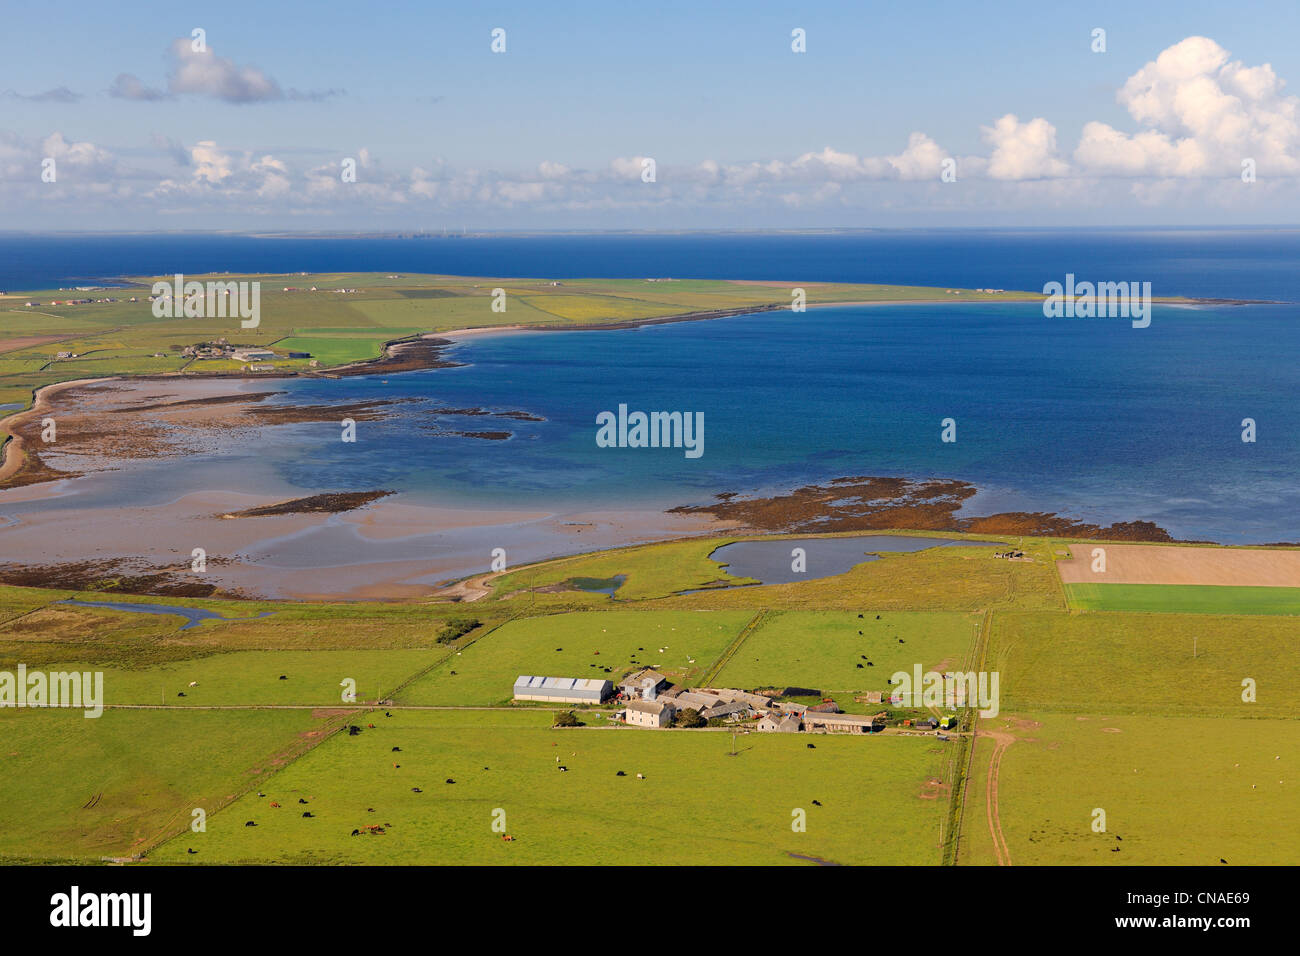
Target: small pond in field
x,y
773,562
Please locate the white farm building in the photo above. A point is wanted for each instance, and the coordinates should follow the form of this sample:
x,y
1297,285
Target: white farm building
x,y
563,690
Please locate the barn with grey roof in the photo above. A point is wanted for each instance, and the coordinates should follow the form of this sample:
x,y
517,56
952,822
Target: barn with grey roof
x,y
563,690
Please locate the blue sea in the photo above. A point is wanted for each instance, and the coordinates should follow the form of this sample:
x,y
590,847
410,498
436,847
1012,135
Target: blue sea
x,y
1087,417
1214,263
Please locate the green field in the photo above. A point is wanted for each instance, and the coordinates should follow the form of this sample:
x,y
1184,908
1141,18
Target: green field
x,y
824,650
584,644
149,770
1184,598
696,804
1175,791
1139,713
253,677
1143,663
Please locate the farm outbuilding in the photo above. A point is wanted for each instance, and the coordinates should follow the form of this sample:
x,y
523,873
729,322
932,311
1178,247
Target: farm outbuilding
x,y
778,723
645,684
839,723
563,690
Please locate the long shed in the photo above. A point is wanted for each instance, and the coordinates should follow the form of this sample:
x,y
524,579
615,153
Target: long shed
x,y
564,690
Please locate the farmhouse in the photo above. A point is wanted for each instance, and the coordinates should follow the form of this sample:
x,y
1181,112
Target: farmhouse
x,y
839,723
645,684
563,690
650,713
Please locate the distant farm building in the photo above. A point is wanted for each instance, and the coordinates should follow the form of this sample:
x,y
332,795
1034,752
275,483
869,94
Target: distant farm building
x,y
734,709
690,698
776,723
650,713
645,684
839,723
563,690
252,355
729,695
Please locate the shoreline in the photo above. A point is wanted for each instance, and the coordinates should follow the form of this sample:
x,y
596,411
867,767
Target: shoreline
x,y
225,400
12,457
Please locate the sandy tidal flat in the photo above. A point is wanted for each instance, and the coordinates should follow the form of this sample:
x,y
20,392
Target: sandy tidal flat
x,y
392,548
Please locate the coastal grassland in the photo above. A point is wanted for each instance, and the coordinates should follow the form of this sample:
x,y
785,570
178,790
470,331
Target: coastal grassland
x,y
121,337
148,769
247,678
331,347
17,602
654,570
1175,790
581,644
842,654
1111,710
1116,662
938,579
963,579
697,802
591,308
150,659
1184,598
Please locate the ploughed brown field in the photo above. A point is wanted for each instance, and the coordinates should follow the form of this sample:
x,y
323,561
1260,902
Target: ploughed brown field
x,y
1155,564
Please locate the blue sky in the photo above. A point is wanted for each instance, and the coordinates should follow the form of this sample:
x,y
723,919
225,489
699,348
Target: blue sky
x,y
249,132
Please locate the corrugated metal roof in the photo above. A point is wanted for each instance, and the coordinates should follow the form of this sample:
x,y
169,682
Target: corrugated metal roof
x,y
559,685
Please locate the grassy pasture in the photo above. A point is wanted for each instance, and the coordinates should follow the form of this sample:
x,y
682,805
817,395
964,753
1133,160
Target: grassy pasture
x,y
695,804
1176,791
1184,598
1143,664
149,768
566,645
253,677
823,650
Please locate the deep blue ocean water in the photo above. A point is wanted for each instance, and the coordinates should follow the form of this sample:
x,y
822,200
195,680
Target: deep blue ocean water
x,y
1089,417
1243,263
